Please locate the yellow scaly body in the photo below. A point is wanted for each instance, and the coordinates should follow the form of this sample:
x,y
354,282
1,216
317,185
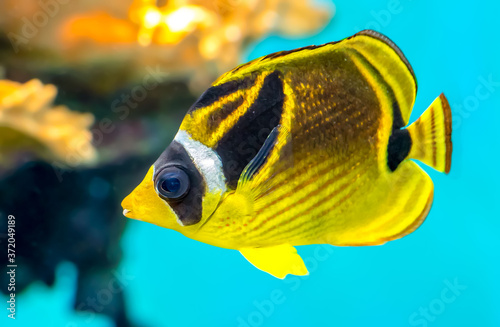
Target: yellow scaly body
x,y
302,147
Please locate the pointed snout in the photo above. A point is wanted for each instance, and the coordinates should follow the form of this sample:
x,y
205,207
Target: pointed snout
x,y
127,207
145,205
136,202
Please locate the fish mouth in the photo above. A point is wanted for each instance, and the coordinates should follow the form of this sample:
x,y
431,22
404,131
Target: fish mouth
x,y
129,214
128,203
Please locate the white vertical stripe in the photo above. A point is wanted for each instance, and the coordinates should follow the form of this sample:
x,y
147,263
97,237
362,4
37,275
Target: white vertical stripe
x,y
206,160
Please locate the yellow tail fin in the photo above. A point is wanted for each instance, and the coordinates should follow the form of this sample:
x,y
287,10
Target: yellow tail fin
x,y
431,136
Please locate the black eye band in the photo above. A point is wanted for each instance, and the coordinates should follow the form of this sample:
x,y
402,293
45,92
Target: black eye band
x,y
178,182
172,183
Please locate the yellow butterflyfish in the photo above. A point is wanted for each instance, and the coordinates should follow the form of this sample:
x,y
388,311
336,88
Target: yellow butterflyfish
x,y
307,146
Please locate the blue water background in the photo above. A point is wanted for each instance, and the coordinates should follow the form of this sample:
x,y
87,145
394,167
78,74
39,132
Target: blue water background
x,y
175,281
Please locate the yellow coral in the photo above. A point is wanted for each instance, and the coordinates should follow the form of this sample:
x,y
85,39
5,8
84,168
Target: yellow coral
x,y
26,112
184,35
196,40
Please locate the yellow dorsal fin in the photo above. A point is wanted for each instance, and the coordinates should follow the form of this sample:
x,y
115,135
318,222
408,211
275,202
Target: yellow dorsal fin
x,y
391,64
376,49
278,261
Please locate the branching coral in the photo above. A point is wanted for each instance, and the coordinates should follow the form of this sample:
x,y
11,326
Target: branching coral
x,y
30,123
196,40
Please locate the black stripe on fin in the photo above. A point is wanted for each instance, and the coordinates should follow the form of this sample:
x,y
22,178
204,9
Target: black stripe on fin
x,y
253,167
398,148
393,46
397,118
287,52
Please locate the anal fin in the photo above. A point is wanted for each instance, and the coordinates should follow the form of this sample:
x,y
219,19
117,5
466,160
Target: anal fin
x,y
278,261
396,207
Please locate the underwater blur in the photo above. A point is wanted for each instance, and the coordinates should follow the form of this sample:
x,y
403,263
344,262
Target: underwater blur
x,y
92,92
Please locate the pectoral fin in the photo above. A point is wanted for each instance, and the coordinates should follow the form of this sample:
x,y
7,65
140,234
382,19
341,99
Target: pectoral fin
x,y
259,160
278,261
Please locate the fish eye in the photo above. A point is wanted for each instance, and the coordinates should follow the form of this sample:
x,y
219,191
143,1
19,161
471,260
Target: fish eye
x,y
172,183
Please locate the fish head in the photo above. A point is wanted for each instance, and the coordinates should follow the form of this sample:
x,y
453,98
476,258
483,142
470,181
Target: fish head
x,y
181,190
